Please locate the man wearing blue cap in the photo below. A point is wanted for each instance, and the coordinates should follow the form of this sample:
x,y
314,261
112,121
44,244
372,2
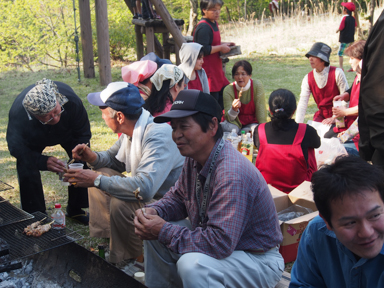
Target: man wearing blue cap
x,y
145,150
232,233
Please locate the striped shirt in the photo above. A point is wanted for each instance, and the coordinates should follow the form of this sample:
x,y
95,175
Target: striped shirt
x,y
241,213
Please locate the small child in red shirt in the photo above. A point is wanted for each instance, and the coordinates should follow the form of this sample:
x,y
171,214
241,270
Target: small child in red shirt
x,y
346,29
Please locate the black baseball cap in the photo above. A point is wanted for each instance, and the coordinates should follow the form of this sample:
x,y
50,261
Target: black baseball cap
x,y
190,102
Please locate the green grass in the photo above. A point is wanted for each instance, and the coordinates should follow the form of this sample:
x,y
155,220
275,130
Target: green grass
x,y
274,72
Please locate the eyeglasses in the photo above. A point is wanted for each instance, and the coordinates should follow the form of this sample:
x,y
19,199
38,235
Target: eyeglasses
x,y
54,115
214,10
241,74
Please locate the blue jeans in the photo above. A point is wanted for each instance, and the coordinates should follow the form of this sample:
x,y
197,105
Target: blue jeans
x,y
165,268
351,148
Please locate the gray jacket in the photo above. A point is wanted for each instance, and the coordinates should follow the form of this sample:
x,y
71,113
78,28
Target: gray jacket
x,y
158,170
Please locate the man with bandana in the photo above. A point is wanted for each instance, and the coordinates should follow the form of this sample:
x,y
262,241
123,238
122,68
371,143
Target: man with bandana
x,y
45,114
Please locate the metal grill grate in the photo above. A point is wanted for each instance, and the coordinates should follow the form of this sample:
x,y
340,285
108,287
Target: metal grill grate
x,y
10,214
4,186
21,245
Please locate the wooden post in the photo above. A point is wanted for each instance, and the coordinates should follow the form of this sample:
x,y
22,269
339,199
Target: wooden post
x,y
139,43
158,48
150,34
167,52
103,42
86,39
168,21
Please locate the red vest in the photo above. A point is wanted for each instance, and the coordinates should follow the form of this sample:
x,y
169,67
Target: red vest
x,y
213,65
324,97
247,113
284,166
195,84
353,101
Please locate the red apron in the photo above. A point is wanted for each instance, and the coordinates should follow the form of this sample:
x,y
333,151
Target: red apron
x,y
247,113
353,101
213,65
284,166
195,84
324,97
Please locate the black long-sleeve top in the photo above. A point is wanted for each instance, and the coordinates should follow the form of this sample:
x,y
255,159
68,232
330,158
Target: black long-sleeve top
x,y
286,135
27,138
204,35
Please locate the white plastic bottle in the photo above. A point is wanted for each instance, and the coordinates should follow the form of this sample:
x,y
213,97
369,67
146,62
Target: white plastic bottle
x,y
59,217
233,136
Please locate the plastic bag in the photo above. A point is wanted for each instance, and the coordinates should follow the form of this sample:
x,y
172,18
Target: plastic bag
x,y
328,151
292,212
320,127
340,122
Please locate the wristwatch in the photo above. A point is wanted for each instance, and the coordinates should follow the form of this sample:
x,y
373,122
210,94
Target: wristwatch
x,y
96,183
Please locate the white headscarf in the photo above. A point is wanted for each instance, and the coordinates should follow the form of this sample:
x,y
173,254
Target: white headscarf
x,y
167,72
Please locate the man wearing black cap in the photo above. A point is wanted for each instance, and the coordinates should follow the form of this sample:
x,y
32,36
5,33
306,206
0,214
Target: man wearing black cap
x,y
45,114
232,234
145,150
324,82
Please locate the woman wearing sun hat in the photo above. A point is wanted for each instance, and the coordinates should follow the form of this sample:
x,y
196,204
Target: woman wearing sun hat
x,y
138,73
167,82
324,82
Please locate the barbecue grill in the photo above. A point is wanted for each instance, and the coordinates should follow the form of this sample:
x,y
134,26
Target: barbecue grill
x,y
11,214
55,254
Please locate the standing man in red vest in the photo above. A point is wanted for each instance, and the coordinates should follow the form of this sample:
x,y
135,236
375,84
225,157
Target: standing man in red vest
x,y
207,34
324,82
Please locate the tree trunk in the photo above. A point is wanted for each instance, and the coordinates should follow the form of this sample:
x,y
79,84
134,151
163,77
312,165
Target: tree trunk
x,y
371,10
245,9
86,39
228,14
103,42
192,16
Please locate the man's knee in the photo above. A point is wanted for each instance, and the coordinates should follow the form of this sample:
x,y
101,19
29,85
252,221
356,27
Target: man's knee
x,y
189,266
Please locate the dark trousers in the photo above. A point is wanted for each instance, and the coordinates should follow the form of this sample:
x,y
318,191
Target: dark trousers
x,y
219,97
31,188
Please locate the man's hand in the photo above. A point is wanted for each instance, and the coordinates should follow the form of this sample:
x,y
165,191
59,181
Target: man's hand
x,y
148,225
236,104
83,153
55,165
328,121
80,178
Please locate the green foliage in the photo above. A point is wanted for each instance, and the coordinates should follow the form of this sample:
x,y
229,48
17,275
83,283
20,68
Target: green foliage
x,y
36,32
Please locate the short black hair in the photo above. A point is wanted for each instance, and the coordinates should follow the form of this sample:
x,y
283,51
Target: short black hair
x,y
204,120
348,175
208,4
282,104
134,117
349,12
242,63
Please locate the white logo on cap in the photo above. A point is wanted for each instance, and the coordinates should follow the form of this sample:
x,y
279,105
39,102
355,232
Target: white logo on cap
x,y
178,102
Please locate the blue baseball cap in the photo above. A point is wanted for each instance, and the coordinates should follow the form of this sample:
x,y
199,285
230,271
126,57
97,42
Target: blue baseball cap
x,y
153,57
120,96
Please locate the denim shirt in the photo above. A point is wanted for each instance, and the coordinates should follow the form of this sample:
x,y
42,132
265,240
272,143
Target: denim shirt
x,y
322,261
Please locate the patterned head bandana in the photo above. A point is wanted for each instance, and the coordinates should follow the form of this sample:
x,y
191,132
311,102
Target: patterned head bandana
x,y
42,98
167,72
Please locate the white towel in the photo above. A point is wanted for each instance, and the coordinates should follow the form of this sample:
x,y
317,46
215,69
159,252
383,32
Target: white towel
x,y
132,159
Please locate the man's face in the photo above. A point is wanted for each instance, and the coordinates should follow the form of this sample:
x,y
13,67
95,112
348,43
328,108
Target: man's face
x,y
358,223
190,139
316,63
53,117
110,122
